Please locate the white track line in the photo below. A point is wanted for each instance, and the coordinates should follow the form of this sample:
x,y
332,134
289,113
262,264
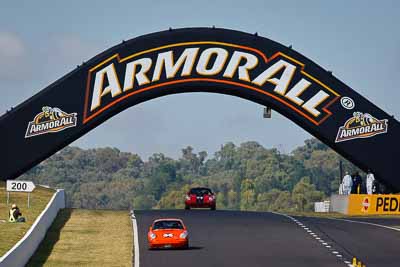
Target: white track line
x,y
367,223
135,239
316,237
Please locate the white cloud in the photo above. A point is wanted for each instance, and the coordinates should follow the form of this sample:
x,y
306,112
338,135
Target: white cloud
x,y
11,46
30,63
13,52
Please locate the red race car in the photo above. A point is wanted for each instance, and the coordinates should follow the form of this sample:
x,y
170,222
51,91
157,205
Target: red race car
x,y
168,233
200,197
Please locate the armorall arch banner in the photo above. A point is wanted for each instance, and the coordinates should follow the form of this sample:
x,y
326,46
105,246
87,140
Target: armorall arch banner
x,y
201,60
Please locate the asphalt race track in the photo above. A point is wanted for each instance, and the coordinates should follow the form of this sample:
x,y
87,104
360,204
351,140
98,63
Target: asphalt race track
x,y
374,245
235,239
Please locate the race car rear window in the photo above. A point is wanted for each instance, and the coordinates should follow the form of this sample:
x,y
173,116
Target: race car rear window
x,y
200,191
167,225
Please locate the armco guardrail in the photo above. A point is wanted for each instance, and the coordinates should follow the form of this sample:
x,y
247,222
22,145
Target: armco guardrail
x,y
20,254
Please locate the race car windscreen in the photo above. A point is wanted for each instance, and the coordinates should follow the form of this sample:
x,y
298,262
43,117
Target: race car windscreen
x,y
200,191
167,225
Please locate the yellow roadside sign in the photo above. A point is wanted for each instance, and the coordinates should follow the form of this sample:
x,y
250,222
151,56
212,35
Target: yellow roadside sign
x,y
373,204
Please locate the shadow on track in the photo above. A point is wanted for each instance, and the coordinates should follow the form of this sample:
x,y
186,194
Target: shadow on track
x,y
178,249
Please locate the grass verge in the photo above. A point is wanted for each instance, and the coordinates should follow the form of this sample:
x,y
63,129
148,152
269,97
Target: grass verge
x,y
11,233
87,238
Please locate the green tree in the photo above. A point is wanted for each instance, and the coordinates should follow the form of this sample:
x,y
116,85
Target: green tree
x,y
304,195
233,201
266,200
173,199
248,195
283,202
247,176
144,202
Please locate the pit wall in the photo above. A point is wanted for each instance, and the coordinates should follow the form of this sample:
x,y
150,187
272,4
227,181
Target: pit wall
x,y
20,254
363,204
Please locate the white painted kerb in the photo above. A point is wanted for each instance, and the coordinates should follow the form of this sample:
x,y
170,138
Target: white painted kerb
x,y
136,262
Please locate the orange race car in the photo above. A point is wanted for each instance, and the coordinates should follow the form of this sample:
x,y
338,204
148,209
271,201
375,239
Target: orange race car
x,y
168,233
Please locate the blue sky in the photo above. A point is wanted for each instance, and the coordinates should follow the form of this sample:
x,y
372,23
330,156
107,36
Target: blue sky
x,y
40,41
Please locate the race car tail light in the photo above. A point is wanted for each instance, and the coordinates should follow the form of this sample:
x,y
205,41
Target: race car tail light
x,y
183,235
211,198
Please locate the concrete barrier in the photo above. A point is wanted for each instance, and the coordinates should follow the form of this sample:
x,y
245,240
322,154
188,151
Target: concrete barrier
x,y
339,203
323,206
20,254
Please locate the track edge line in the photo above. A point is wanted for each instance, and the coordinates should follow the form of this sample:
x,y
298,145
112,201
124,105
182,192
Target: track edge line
x,y
301,225
367,223
136,262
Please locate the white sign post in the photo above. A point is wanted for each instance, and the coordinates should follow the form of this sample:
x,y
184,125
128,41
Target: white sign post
x,y
20,186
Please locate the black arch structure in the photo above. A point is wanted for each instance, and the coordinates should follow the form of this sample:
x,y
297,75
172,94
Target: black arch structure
x,y
30,132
